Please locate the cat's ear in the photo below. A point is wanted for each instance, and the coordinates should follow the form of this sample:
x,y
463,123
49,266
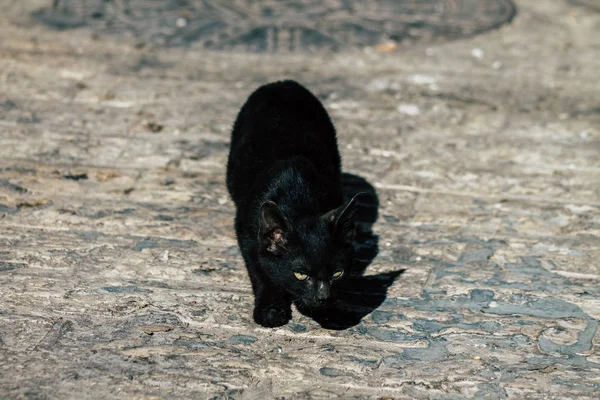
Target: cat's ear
x,y
273,228
341,220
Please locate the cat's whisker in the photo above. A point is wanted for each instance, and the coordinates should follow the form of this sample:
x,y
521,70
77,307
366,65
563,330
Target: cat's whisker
x,y
279,302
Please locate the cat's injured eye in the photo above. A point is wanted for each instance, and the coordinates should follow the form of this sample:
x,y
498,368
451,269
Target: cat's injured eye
x,y
300,277
338,274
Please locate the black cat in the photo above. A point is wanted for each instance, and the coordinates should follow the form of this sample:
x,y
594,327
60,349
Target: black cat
x,y
283,174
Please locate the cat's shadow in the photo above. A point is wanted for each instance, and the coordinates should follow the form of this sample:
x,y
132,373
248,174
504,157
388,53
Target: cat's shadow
x,y
358,295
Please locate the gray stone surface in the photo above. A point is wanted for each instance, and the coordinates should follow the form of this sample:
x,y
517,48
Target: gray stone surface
x,y
278,26
119,272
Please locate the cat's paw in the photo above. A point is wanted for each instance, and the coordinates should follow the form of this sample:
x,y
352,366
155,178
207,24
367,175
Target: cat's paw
x,y
271,317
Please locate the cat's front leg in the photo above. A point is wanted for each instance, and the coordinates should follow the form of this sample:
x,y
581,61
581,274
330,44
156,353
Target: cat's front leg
x,y
272,306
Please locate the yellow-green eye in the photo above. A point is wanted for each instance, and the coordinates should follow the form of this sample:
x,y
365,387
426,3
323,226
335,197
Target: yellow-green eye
x,y
300,277
338,274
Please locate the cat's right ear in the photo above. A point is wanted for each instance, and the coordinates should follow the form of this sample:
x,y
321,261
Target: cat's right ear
x,y
341,220
273,228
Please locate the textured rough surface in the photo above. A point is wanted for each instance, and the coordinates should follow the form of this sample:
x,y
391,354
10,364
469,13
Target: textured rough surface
x,y
119,272
279,26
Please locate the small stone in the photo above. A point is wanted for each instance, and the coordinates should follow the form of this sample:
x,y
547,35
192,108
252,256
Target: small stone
x,y
476,255
477,53
575,209
242,339
390,218
420,79
297,327
409,109
333,372
168,181
8,266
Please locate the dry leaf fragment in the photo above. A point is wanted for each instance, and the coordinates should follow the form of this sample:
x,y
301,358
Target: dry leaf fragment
x,y
103,176
386,47
33,203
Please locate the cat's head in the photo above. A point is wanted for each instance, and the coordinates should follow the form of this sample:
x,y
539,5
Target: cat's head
x,y
308,257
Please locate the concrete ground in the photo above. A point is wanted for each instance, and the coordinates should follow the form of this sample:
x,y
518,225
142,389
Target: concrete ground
x,y
119,271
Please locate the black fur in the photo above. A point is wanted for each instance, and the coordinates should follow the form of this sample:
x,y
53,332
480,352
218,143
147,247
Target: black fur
x,y
283,175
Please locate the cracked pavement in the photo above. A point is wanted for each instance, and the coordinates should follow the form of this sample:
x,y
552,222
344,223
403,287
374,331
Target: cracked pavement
x,y
119,272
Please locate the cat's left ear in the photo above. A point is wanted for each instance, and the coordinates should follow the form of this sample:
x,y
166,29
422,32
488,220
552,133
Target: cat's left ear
x,y
273,228
341,220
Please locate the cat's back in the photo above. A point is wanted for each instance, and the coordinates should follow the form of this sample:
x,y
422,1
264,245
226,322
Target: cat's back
x,y
283,110
279,121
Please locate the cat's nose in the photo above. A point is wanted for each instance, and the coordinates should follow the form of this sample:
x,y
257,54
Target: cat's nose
x,y
323,292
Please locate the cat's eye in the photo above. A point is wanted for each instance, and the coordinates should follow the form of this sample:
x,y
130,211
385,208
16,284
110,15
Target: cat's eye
x,y
300,277
338,274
